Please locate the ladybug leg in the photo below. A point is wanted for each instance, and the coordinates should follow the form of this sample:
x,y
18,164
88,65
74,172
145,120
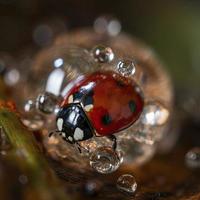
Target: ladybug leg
x,y
114,140
53,132
66,140
78,146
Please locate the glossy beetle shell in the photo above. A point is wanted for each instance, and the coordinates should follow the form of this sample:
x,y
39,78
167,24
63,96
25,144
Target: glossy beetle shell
x,y
111,102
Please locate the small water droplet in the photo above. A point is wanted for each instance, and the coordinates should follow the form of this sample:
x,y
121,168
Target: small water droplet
x,y
126,67
46,102
105,160
192,158
102,54
127,183
154,114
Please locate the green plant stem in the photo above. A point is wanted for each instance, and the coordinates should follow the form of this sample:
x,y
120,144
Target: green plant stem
x,y
27,157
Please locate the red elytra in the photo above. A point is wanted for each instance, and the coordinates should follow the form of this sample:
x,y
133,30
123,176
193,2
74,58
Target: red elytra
x,y
111,102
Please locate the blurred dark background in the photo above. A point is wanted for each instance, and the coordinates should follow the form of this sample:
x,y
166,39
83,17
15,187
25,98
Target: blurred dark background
x,y
170,27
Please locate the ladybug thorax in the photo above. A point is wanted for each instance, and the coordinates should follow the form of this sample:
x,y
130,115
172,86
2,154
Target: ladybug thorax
x,y
111,102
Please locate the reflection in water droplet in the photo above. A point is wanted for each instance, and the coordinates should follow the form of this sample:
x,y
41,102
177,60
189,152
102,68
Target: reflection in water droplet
x,y
105,160
127,183
192,158
102,54
126,67
46,102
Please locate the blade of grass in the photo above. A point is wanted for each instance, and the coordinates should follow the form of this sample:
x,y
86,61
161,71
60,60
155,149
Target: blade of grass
x,y
27,157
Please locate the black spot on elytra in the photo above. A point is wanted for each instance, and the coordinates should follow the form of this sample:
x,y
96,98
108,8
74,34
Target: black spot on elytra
x,y
132,106
106,119
120,83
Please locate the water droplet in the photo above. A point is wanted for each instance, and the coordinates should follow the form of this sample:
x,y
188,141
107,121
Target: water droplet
x,y
192,158
102,54
105,160
127,183
126,67
46,102
154,114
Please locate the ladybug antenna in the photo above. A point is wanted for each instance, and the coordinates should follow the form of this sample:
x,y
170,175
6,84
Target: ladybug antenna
x,y
53,132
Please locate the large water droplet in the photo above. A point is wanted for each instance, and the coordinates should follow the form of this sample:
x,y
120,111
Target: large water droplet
x,y
127,183
105,160
46,102
192,158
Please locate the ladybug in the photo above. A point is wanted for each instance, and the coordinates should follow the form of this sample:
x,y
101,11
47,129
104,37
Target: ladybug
x,y
100,104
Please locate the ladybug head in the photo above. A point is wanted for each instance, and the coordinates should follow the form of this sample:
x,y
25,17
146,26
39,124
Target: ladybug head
x,y
72,123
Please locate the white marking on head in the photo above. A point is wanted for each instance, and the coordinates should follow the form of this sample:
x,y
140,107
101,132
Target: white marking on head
x,y
60,124
88,108
78,134
70,99
70,138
